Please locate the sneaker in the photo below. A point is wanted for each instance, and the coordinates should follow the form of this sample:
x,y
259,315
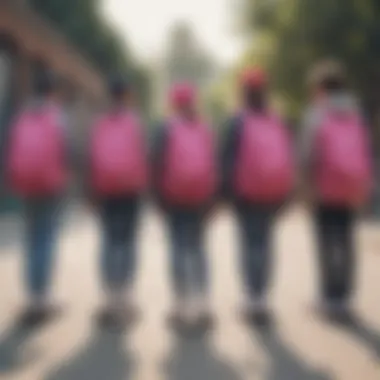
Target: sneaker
x,y
203,313
338,310
110,319
39,312
119,311
115,299
130,310
180,314
257,311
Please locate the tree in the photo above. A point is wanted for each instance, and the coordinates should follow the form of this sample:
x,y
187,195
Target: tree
x,y
186,60
296,33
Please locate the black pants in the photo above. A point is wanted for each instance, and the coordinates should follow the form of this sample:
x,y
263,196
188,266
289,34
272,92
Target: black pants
x,y
335,242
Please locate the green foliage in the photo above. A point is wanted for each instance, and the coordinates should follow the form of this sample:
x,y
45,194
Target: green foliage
x,y
186,59
81,23
299,32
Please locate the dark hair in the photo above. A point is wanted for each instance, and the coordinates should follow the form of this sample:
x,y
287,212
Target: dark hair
x,y
333,83
44,83
255,98
118,86
8,43
329,75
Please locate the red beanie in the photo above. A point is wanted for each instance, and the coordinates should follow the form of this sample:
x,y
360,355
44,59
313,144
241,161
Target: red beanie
x,y
254,78
182,94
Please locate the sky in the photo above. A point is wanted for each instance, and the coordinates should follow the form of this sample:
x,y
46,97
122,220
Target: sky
x,y
146,23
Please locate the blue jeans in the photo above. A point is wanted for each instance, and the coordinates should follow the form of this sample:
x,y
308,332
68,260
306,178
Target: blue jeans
x,y
189,265
255,227
42,222
119,219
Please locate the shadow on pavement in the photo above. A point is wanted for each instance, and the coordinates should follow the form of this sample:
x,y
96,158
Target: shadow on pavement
x,y
10,232
103,358
284,364
193,358
365,334
76,215
12,345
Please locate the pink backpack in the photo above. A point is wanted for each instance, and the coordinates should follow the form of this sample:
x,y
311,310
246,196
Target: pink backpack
x,y
265,165
36,165
343,162
190,174
118,156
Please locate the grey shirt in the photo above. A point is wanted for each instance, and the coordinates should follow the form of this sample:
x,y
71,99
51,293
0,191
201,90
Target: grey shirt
x,y
312,119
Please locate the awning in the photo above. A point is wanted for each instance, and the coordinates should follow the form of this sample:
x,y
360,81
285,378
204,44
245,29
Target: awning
x,y
37,37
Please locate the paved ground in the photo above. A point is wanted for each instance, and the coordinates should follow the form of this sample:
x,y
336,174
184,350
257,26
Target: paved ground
x,y
301,346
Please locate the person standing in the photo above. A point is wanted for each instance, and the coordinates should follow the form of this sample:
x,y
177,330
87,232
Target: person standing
x,y
118,179
38,170
257,178
337,172
185,183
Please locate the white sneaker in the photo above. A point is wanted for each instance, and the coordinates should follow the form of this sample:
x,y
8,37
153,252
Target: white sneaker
x,y
201,305
256,307
119,310
203,314
38,303
114,301
181,311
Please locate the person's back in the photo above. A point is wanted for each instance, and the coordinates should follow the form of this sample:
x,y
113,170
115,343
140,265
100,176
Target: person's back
x,y
37,163
189,178
342,101
264,171
118,155
334,136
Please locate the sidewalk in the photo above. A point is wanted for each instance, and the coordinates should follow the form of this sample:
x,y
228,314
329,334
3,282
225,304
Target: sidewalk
x,y
300,347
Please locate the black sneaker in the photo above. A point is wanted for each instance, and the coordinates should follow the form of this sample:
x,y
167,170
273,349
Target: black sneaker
x,y
176,319
110,319
205,320
340,312
257,313
35,316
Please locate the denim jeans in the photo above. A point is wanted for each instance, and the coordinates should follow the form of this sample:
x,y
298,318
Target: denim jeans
x,y
189,264
255,225
335,243
119,221
42,218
